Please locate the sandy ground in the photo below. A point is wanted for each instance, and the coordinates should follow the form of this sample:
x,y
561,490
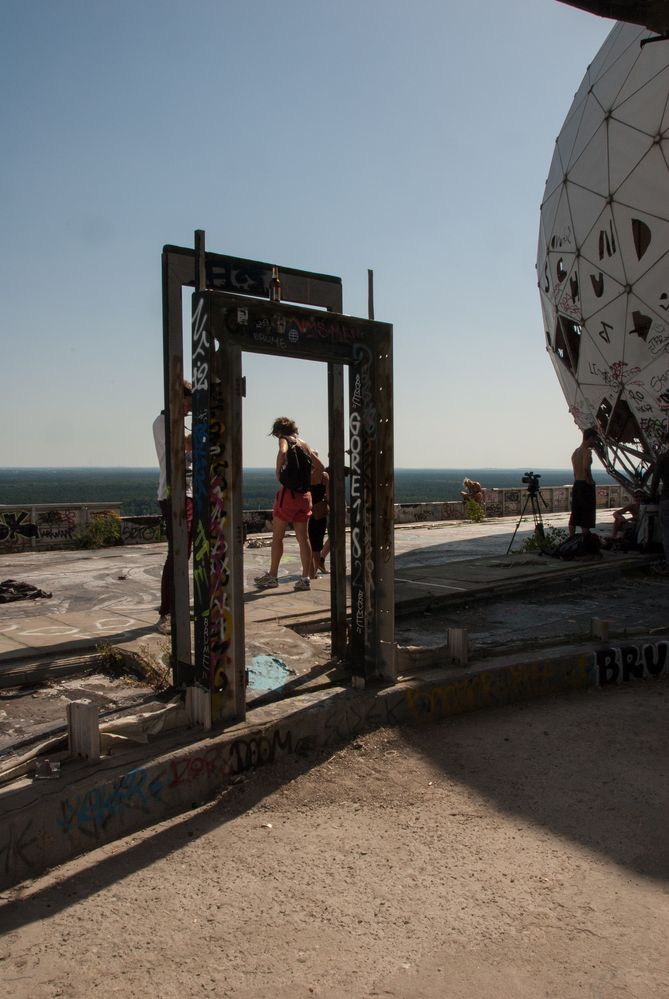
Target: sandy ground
x,y
522,852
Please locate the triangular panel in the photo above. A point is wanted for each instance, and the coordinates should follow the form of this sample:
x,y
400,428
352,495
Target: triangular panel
x,y
590,170
647,189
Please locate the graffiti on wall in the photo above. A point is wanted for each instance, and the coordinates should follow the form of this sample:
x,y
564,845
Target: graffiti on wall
x,y
16,525
90,813
142,530
56,525
15,849
622,663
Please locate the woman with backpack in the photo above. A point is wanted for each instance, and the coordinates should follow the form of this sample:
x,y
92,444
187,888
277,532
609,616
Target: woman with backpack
x,y
295,462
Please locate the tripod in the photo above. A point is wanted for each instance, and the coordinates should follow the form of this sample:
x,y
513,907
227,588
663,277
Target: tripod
x,y
531,500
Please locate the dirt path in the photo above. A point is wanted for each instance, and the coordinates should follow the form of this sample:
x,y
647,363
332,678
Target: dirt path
x,y
519,853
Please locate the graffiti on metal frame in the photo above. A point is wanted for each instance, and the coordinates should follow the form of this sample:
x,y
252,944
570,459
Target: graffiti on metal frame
x,y
201,507
220,614
286,332
622,663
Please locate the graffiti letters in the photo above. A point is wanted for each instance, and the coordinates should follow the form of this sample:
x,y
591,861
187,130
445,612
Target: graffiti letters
x,y
258,749
619,664
200,349
91,812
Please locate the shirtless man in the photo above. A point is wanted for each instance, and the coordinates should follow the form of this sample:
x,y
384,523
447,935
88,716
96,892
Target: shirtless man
x,y
583,495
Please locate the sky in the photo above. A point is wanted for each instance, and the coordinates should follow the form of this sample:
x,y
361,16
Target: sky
x,y
412,139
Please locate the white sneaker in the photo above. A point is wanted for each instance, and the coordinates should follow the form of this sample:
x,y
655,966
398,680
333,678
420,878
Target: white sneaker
x,y
303,584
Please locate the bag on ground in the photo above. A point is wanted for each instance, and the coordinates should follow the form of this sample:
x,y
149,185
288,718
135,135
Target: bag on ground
x,y
578,546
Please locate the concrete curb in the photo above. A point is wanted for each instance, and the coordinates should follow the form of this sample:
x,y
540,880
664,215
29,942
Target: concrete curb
x,y
45,823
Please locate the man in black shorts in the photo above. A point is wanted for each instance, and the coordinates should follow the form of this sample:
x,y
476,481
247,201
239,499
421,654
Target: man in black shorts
x,y
583,494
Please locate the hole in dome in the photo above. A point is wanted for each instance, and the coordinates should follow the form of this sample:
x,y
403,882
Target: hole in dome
x,y
618,421
642,235
568,342
561,270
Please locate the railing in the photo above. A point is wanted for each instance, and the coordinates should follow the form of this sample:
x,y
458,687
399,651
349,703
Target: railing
x,y
45,526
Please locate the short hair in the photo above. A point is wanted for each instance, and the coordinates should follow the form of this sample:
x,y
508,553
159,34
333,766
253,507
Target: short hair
x,y
283,426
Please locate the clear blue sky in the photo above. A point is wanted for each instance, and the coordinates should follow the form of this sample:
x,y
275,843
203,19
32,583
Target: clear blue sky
x,y
411,138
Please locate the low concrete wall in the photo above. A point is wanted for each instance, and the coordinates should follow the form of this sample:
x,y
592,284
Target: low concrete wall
x,y
47,526
46,822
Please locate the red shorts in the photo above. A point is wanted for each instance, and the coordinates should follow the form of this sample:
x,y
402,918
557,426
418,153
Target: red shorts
x,y
294,508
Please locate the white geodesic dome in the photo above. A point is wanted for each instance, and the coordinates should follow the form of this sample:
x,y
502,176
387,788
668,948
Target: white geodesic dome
x,y
603,258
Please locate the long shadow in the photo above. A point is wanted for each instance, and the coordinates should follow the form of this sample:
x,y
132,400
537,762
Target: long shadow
x,y
489,545
128,858
73,645
589,767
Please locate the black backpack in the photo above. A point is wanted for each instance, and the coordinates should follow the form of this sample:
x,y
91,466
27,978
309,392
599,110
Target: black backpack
x,y
578,546
296,473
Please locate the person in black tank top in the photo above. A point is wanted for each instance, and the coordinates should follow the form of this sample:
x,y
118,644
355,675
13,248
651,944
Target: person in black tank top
x,y
319,516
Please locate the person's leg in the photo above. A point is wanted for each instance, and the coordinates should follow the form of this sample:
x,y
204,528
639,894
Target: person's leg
x,y
302,535
316,537
278,532
315,554
166,578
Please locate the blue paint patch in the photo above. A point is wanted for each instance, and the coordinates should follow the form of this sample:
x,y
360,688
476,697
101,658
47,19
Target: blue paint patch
x,y
268,673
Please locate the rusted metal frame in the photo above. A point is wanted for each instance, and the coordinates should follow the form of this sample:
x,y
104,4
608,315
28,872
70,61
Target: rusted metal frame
x,y
226,595
173,371
365,360
357,635
246,277
337,516
337,497
263,328
234,456
202,365
269,328
383,537
252,277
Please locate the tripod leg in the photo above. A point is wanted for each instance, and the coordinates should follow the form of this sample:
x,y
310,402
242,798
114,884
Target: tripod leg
x,y
522,514
538,521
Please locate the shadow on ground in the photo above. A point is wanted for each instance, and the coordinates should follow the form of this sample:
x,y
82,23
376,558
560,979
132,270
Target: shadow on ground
x,y
590,768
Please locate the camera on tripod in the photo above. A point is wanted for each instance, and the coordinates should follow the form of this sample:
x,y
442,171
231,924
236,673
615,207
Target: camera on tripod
x,y
531,480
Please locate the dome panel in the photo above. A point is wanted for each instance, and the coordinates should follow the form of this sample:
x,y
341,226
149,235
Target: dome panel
x,y
647,187
591,169
644,108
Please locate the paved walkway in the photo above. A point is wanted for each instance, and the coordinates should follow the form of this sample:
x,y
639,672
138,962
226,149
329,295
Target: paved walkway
x,y
111,595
